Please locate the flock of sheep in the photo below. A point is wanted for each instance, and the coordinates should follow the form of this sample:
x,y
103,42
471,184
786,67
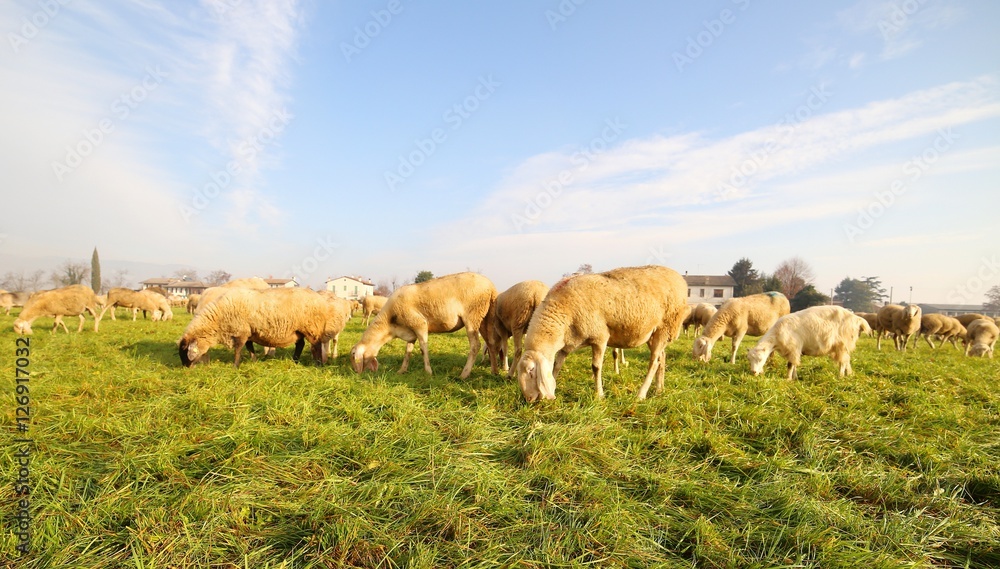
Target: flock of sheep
x,y
618,309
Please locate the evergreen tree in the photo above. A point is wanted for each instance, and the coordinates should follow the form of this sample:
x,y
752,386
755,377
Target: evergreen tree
x,y
745,276
423,276
95,272
807,297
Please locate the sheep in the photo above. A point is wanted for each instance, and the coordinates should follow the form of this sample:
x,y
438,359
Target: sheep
x,y
513,311
900,321
214,293
342,311
272,318
967,319
130,299
192,303
9,300
817,331
440,305
981,337
162,309
738,317
355,306
621,308
699,316
371,305
71,300
869,317
944,327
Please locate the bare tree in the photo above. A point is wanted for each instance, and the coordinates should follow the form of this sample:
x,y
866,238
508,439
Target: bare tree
x,y
383,289
794,274
69,273
23,282
119,280
215,278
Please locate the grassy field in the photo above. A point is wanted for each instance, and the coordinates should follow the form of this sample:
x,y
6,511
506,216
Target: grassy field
x,y
140,463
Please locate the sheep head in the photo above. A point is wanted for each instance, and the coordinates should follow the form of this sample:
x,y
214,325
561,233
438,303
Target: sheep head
x,y
534,374
702,349
22,327
362,360
980,350
758,357
191,350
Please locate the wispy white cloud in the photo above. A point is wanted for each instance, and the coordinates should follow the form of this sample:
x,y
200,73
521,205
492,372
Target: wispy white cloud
x,y
901,26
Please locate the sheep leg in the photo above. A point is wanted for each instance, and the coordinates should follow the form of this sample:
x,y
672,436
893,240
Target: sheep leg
x,y
238,350
300,344
406,358
80,328
334,342
736,346
558,363
473,350
596,365
657,354
422,338
929,343
878,339
319,352
518,350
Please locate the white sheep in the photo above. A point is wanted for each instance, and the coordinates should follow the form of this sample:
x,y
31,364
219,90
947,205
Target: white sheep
x,y
342,312
371,305
981,337
162,309
192,303
214,293
73,300
621,308
738,317
440,305
699,316
902,322
514,308
9,300
817,331
273,318
946,328
967,318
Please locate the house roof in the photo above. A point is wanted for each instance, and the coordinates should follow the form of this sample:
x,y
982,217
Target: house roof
x,y
175,283
969,308
157,281
278,281
709,280
358,279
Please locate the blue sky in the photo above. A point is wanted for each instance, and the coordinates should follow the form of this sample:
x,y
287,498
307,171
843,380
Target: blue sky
x,y
520,139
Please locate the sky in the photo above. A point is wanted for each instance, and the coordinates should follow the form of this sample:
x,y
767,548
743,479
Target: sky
x,y
520,139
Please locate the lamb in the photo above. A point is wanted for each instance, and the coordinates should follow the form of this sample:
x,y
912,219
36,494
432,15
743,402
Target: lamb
x,y
900,321
621,308
192,303
737,317
981,338
699,316
817,331
514,308
371,305
944,327
272,318
71,300
440,305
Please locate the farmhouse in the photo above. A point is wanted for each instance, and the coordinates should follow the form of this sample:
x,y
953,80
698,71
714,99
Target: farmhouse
x,y
958,309
713,289
351,288
281,283
179,287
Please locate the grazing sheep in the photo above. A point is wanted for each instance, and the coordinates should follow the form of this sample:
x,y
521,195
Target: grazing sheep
x,y
160,303
967,319
9,300
981,337
192,303
134,300
272,318
371,305
342,313
622,308
440,305
71,300
738,317
699,316
869,317
817,331
355,306
514,308
214,293
944,327
902,322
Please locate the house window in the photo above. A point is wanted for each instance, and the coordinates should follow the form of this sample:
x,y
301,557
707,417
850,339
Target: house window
x,y
701,293
717,293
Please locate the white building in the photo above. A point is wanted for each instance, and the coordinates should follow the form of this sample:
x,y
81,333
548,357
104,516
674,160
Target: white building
x,y
351,288
713,289
281,283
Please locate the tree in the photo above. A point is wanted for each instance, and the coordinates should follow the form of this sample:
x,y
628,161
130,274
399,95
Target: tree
x,y
22,282
807,297
95,272
857,295
186,274
992,298
583,269
423,276
69,273
745,276
119,280
383,289
216,278
876,289
794,274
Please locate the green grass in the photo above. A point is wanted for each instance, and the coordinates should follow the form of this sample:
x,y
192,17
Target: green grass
x,y
141,463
